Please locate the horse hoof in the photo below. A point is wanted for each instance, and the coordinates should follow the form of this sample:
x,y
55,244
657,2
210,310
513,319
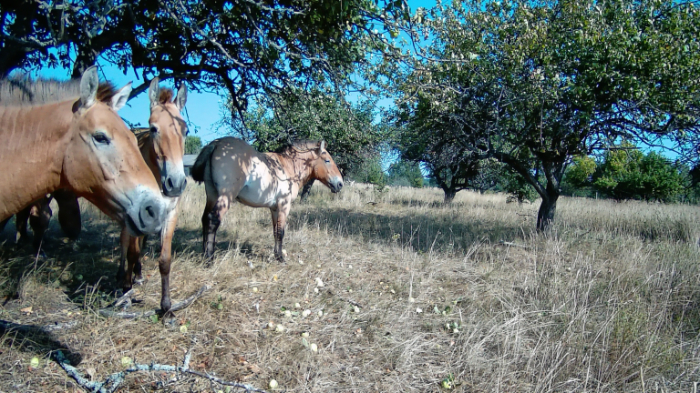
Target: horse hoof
x,y
139,280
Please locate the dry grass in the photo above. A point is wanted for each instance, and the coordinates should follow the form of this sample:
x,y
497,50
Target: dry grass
x,y
608,301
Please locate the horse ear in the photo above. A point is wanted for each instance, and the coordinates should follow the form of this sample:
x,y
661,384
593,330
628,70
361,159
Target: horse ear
x,y
88,87
181,98
154,91
322,147
121,97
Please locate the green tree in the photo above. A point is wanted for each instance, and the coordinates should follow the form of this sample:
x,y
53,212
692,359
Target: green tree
x,y
246,47
405,173
630,174
534,83
193,144
577,178
349,130
370,171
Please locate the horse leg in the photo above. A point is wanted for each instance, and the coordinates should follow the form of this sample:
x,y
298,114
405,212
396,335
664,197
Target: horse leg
x,y
124,248
205,226
138,277
165,259
132,258
21,223
213,220
68,213
39,217
279,223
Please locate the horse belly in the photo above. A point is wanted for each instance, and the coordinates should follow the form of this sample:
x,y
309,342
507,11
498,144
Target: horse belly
x,y
259,189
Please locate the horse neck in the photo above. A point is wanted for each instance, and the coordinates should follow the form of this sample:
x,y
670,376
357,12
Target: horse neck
x,y
148,151
34,141
296,167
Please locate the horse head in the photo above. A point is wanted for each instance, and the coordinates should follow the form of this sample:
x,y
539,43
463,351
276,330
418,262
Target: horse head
x,y
325,170
168,131
102,162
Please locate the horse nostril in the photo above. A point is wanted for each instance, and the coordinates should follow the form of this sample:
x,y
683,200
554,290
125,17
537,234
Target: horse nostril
x,y
151,213
169,184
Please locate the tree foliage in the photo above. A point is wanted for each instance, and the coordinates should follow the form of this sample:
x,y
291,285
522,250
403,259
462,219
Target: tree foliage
x,y
406,174
631,174
246,46
534,83
193,144
349,130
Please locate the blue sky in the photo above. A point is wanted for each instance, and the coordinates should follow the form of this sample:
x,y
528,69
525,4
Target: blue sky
x,y
203,110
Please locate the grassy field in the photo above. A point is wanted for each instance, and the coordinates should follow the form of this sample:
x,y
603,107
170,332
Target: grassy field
x,y
414,294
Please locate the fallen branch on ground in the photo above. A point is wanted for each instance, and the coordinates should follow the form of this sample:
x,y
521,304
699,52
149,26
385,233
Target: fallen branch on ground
x,y
176,307
112,383
125,298
510,244
354,303
7,325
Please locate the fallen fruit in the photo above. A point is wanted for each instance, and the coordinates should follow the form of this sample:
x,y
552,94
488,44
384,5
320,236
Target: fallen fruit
x,y
313,348
126,361
273,384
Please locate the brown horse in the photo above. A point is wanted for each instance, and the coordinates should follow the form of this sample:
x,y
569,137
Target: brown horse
x,y
232,170
163,148
82,145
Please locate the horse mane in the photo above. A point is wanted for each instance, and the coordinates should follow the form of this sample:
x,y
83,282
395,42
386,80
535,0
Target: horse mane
x,y
142,135
25,91
166,95
298,146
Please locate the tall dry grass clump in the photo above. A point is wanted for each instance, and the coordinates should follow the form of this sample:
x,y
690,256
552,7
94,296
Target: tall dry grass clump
x,y
415,296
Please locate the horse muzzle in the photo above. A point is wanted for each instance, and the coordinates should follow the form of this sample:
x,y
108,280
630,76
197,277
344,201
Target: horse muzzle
x,y
146,214
173,181
335,185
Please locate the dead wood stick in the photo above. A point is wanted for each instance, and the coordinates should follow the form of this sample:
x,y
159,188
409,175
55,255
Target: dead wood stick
x,y
354,303
52,327
124,298
176,307
111,384
511,244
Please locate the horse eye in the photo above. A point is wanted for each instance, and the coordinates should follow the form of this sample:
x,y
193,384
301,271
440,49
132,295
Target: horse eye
x,y
328,161
101,137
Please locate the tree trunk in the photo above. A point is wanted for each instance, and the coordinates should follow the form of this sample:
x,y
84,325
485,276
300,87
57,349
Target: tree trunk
x,y
307,190
449,195
545,216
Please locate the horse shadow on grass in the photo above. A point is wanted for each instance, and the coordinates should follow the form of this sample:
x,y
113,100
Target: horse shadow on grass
x,y
84,269
423,232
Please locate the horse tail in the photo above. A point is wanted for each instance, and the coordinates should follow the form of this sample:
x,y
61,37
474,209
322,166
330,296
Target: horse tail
x,y
200,164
